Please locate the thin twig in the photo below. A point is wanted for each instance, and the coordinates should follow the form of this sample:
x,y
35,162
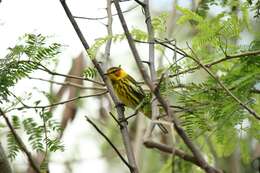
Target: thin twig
x,y
109,30
25,106
110,142
101,18
206,68
20,143
208,65
70,76
59,74
67,83
195,58
118,123
140,3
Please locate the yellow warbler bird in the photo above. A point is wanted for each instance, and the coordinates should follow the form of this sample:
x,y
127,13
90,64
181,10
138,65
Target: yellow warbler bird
x,y
129,92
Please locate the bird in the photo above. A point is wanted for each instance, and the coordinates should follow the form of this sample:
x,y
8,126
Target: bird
x,y
130,93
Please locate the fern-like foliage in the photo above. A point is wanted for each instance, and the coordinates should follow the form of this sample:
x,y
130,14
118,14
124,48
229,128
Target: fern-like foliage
x,y
23,59
40,134
35,134
214,33
158,23
90,72
13,147
215,113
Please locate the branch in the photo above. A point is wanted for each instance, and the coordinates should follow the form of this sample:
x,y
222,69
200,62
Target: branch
x,y
168,149
70,76
25,106
67,83
101,18
206,68
59,74
208,65
164,103
109,141
228,57
150,30
140,3
179,51
119,107
109,30
20,143
195,58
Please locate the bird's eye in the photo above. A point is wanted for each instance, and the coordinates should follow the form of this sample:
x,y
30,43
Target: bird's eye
x,y
118,72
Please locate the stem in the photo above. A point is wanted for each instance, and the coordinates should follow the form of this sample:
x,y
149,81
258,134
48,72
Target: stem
x,y
25,106
150,30
109,141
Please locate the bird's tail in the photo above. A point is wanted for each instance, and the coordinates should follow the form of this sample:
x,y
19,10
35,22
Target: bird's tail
x,y
146,110
163,128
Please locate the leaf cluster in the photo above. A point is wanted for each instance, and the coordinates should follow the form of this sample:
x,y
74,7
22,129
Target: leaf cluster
x,y
22,59
39,134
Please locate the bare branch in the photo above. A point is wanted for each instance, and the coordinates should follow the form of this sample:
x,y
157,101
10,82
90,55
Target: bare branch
x,y
59,74
150,30
168,149
101,18
70,76
25,106
67,83
109,30
110,142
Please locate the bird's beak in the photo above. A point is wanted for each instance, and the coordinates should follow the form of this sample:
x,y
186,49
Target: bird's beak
x,y
105,74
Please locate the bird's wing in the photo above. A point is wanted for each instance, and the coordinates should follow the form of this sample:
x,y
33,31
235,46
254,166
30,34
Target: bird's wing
x,y
137,89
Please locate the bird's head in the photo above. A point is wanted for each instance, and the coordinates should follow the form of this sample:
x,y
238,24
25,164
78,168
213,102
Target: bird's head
x,y
115,73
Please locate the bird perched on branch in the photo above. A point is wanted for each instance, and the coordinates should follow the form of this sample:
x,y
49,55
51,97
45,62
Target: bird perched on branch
x,y
130,93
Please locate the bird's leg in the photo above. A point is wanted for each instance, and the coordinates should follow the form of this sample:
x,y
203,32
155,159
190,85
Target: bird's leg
x,y
120,120
120,105
135,111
